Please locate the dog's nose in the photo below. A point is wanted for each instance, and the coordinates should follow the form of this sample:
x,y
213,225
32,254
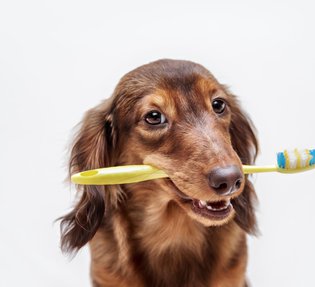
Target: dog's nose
x,y
226,180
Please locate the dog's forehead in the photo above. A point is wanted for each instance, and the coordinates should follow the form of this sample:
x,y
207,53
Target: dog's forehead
x,y
183,96
170,85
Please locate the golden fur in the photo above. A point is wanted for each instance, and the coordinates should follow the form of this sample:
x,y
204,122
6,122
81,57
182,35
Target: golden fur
x,y
147,234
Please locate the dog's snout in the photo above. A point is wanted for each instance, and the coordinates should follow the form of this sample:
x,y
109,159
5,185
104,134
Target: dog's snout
x,y
225,180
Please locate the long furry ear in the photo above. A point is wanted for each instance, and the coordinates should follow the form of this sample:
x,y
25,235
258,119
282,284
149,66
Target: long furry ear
x,y
92,148
245,143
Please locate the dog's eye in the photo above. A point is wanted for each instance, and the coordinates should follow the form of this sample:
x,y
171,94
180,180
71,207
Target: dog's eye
x,y
218,106
155,118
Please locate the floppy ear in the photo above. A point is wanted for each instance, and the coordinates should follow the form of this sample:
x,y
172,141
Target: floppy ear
x,y
93,147
245,144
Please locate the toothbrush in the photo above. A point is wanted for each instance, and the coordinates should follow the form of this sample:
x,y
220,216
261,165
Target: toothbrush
x,y
287,162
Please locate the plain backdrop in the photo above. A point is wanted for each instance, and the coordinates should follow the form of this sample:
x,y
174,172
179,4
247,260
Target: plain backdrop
x,y
60,58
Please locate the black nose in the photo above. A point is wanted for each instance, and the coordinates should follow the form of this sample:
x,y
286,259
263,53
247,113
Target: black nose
x,y
226,180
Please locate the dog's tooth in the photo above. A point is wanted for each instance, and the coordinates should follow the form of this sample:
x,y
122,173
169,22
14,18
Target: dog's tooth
x,y
209,207
201,204
226,205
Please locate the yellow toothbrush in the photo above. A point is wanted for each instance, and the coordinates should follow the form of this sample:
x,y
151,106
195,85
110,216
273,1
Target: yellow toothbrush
x,y
287,162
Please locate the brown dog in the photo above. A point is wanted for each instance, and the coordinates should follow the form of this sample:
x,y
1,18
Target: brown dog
x,y
190,229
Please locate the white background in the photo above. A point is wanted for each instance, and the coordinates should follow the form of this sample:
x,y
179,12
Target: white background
x,y
60,58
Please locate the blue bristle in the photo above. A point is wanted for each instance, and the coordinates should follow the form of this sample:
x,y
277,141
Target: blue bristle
x,y
312,161
281,160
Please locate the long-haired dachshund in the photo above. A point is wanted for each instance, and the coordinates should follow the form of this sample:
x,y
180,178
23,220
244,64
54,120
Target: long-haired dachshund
x,y
189,229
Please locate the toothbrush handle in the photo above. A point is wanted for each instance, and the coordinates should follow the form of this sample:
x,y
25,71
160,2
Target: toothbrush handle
x,y
248,169
118,175
137,173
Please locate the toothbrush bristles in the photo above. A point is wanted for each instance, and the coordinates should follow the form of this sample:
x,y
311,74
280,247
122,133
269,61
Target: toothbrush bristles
x,y
296,159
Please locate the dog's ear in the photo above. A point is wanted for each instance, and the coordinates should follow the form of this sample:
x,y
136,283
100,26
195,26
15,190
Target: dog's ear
x,y
93,147
245,143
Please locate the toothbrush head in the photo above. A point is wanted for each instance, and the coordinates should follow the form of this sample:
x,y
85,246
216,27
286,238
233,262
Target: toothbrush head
x,y
295,160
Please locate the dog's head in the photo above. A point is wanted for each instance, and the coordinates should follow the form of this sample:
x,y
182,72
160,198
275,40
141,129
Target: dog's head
x,y
173,115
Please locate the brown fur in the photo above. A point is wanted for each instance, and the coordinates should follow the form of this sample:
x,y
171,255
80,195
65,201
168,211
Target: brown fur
x,y
143,234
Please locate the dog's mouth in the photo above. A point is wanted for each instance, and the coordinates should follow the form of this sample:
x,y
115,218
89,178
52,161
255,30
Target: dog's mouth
x,y
213,210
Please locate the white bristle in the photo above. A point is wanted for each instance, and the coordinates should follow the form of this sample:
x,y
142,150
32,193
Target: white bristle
x,y
304,157
292,159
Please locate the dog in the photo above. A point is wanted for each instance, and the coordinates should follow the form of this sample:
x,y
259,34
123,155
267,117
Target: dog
x,y
186,230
